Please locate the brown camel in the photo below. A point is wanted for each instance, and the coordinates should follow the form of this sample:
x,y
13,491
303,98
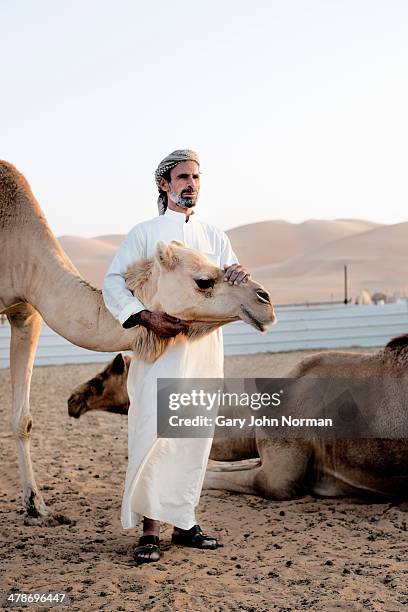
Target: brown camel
x,y
283,468
38,282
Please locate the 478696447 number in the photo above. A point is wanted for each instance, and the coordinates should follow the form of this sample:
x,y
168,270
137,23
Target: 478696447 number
x,y
13,599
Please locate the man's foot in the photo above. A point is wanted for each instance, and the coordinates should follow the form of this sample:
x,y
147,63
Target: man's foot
x,y
147,549
194,537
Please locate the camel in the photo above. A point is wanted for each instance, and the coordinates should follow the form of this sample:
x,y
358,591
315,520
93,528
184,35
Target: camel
x,y
282,469
364,297
39,282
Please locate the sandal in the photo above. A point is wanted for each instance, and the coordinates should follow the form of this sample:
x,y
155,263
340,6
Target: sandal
x,y
195,538
147,550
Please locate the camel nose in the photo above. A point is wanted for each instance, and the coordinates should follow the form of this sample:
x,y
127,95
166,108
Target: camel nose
x,y
74,407
263,296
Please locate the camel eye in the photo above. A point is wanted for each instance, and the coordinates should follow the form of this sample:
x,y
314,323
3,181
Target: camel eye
x,y
96,385
205,283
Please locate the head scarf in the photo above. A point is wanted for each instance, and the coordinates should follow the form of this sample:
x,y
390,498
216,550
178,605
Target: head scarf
x,y
166,164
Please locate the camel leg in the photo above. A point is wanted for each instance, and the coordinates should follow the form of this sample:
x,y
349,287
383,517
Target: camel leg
x,y
240,481
233,449
279,475
233,466
25,324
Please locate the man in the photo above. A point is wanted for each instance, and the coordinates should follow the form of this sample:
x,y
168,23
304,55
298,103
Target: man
x,y
165,476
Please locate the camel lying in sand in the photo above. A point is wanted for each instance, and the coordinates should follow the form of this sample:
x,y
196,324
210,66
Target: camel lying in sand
x,y
38,282
287,467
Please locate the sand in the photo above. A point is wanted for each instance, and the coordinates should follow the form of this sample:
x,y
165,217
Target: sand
x,y
268,242
306,554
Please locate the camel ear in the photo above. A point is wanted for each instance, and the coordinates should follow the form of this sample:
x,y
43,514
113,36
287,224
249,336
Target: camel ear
x,y
118,364
166,256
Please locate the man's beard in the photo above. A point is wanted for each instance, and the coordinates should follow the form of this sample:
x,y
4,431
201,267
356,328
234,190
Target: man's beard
x,y
183,202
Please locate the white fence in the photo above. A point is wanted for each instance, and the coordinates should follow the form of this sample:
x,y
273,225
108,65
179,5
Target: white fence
x,y
298,327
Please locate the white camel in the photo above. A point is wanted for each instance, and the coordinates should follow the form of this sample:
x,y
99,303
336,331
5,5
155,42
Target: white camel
x,y
39,282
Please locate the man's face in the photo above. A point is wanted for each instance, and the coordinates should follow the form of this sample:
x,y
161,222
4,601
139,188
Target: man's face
x,y
184,185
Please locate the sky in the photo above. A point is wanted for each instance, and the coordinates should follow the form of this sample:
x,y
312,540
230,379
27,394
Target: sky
x,y
298,109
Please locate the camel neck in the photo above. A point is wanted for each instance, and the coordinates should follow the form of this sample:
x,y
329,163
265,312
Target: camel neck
x,y
76,309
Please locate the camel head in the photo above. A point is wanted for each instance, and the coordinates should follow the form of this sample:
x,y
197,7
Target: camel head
x,y
105,391
183,283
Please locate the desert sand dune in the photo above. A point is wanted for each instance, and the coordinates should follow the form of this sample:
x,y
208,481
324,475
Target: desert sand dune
x,y
269,242
86,248
381,242
376,260
113,239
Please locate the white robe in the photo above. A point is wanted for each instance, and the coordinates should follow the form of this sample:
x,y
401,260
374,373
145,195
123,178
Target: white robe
x,y
165,475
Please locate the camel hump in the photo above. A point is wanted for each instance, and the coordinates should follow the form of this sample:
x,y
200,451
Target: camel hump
x,y
6,164
11,182
399,342
8,172
17,202
306,365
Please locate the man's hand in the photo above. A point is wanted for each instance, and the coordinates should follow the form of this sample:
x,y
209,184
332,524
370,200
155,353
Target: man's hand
x,y
236,274
161,324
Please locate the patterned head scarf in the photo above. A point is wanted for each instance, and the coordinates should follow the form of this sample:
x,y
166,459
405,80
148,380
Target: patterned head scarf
x,y
166,164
